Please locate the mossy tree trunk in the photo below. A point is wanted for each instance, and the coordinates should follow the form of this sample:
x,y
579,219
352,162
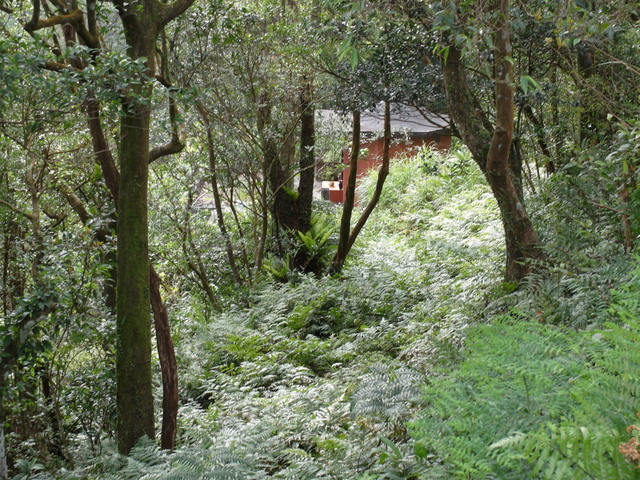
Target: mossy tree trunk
x,y
307,155
142,22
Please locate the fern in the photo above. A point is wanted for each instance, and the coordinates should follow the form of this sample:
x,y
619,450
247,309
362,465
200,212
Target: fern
x,y
569,451
387,392
558,399
537,401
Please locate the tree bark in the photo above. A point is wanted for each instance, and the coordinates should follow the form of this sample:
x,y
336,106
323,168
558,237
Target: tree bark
x,y
307,157
492,152
349,199
382,176
168,365
135,417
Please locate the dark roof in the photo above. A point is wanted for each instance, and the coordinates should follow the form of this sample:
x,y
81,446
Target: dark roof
x,y
403,119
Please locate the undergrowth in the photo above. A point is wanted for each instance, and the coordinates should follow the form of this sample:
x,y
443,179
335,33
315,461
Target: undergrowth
x,y
318,378
531,400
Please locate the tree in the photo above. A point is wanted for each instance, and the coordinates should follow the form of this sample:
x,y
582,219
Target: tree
x,y
135,396
257,105
493,153
347,235
142,23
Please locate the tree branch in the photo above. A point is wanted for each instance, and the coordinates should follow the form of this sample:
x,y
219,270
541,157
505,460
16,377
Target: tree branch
x,y
178,136
170,11
75,203
72,17
178,132
102,151
57,67
35,17
17,210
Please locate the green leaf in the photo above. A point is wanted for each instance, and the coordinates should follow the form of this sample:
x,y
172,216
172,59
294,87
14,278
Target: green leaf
x,y
354,58
394,448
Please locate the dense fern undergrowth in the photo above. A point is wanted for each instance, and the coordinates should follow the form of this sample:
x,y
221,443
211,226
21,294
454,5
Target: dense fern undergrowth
x,y
417,362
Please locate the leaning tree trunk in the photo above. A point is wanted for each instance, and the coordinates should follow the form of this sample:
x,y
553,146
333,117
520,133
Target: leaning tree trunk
x,y
347,236
382,177
492,152
349,199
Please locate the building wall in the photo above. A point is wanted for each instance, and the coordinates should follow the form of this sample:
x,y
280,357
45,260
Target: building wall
x,y
373,160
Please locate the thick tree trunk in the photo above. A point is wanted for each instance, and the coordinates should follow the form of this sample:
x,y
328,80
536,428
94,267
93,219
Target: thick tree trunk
x,y
164,342
523,244
282,206
133,361
492,152
141,23
307,157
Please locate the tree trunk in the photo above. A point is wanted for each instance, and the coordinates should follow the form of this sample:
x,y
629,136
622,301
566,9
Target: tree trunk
x,y
168,365
348,236
133,361
307,157
166,351
134,399
133,326
382,176
349,199
291,209
492,153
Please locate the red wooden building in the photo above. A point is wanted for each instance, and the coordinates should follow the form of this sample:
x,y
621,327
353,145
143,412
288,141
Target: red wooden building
x,y
411,130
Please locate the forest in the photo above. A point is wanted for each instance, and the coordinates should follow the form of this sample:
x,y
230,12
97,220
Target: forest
x,y
182,300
